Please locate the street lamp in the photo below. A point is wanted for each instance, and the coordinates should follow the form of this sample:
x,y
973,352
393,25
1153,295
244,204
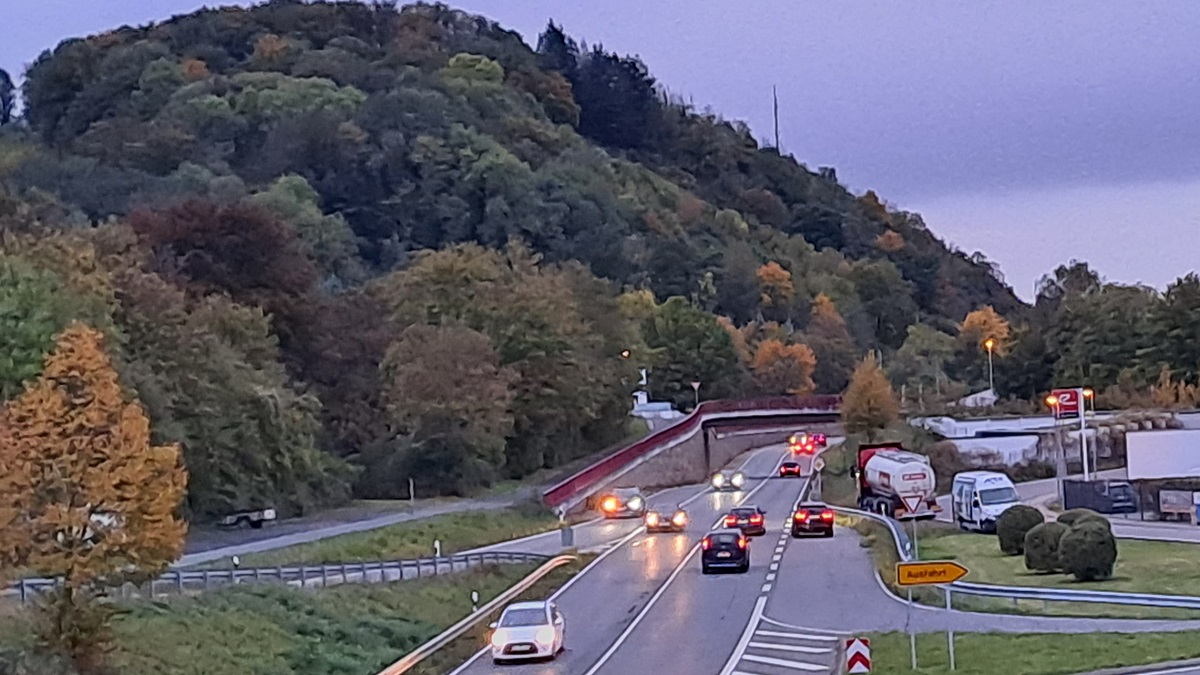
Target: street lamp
x,y
990,344
696,389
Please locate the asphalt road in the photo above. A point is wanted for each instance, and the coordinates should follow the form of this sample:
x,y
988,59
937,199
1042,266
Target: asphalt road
x,y
635,589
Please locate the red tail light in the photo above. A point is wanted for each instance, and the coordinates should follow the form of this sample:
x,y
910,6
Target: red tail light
x,y
742,542
730,521
706,543
801,515
827,515
756,519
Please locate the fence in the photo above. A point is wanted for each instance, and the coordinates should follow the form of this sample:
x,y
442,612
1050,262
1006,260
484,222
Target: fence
x,y
182,581
574,486
1014,593
459,629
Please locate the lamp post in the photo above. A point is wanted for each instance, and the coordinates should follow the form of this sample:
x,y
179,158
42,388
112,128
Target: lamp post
x,y
990,344
696,389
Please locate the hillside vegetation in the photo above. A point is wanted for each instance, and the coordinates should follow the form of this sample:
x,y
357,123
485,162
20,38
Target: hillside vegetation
x,y
339,245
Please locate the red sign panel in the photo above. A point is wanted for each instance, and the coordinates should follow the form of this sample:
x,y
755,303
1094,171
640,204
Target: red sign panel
x,y
1069,403
858,655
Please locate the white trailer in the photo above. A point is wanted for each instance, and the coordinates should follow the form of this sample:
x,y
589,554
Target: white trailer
x,y
1172,453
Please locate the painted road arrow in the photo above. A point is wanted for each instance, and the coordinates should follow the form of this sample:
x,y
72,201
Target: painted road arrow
x,y
929,572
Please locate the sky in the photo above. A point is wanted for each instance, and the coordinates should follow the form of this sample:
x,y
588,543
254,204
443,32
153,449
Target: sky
x,y
1033,132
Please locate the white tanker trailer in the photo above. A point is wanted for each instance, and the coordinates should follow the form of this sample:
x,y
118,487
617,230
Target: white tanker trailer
x,y
895,482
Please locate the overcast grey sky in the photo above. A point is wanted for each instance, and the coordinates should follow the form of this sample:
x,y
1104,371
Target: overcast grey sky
x,y
1035,132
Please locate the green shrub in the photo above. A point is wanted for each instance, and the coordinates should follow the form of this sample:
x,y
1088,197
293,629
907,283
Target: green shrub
x,y
1013,524
1088,551
1041,547
1072,517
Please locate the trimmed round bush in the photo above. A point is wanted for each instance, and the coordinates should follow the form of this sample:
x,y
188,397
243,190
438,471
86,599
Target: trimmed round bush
x,y
1072,517
1012,526
1088,551
1041,547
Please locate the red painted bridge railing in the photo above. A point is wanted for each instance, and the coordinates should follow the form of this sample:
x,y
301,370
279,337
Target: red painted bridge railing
x,y
593,475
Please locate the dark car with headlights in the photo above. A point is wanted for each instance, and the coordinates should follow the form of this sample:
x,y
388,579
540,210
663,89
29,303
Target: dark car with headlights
x,y
661,522
790,469
812,518
751,520
725,549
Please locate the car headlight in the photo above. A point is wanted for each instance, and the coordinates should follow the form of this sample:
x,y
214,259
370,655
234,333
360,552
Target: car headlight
x,y
679,519
544,636
738,480
499,638
609,504
718,480
635,503
651,519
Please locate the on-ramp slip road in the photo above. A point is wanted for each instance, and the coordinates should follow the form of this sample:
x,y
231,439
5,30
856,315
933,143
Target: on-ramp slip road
x,y
635,601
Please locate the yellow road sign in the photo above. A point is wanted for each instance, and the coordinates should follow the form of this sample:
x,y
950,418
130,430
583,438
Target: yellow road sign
x,y
929,572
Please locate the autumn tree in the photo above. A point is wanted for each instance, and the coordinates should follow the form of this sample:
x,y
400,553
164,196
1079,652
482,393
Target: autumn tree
x,y
982,325
88,498
831,344
869,404
447,381
776,291
694,347
781,369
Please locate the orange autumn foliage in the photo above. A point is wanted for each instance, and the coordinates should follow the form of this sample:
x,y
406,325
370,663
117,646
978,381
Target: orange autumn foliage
x,y
783,369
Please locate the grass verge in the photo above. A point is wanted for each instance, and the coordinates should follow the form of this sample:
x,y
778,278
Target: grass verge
x,y
940,541
277,630
1029,654
413,539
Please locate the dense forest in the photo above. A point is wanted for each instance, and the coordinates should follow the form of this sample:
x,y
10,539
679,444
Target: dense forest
x,y
339,245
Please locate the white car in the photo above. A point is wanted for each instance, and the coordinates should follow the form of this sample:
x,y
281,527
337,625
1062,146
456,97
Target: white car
x,y
528,630
728,480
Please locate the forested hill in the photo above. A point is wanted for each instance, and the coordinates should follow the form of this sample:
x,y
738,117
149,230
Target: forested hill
x,y
241,199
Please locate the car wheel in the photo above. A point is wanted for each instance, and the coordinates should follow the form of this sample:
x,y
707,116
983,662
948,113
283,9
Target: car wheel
x,y
256,524
829,532
745,567
704,569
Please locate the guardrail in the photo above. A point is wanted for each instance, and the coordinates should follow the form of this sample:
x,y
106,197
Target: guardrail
x,y
459,629
904,551
180,581
572,487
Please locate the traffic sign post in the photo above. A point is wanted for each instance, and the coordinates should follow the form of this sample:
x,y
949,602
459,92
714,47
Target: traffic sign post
x,y
929,573
858,655
1069,404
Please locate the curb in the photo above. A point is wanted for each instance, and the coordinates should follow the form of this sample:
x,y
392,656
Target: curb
x,y
1149,669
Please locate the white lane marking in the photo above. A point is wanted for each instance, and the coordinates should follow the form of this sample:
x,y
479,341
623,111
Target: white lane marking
x,y
742,672
818,631
667,584
747,636
771,576
562,589
790,648
796,636
775,566
766,588
797,665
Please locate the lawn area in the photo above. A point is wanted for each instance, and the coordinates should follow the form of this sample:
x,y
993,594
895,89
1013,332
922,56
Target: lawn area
x,y
1142,566
413,539
1029,654
276,630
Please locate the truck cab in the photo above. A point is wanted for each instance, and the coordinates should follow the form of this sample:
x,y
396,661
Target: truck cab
x,y
978,498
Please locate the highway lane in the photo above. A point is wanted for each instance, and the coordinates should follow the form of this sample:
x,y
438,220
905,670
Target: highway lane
x,y
697,621
600,605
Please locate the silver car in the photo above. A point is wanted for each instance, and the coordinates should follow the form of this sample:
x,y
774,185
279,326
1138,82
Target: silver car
x,y
728,481
623,503
528,630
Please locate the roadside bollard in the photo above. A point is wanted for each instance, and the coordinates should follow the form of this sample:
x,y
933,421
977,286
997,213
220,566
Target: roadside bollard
x,y
474,601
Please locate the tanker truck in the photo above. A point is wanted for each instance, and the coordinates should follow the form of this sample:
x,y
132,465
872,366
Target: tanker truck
x,y
895,482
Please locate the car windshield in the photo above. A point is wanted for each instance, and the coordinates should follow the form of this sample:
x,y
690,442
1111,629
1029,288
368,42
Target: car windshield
x,y
813,507
523,617
725,538
1002,495
744,513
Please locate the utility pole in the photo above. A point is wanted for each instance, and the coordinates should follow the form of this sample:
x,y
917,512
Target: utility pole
x,y
775,100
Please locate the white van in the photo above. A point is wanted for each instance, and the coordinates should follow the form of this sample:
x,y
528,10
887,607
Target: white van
x,y
979,497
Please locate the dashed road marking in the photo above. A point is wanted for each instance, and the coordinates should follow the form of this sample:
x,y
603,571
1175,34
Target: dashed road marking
x,y
789,648
774,565
766,588
771,576
784,663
